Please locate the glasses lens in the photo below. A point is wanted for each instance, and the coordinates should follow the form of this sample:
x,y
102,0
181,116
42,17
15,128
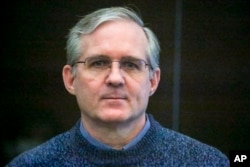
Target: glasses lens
x,y
132,64
97,62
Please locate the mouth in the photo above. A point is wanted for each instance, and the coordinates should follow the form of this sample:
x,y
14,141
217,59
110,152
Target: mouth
x,y
114,97
114,100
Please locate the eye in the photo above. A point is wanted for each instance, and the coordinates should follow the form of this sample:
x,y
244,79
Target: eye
x,y
130,65
98,63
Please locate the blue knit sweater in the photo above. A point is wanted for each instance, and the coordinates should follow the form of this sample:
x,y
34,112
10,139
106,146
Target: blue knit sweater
x,y
160,147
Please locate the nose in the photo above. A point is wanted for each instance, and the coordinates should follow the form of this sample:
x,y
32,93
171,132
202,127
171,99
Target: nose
x,y
115,77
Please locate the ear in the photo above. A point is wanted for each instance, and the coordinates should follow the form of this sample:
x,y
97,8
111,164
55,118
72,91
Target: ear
x,y
68,79
155,79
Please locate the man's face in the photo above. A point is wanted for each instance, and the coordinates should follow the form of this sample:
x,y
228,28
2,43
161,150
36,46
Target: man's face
x,y
113,95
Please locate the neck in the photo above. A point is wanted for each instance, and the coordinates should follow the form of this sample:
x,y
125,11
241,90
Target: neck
x,y
116,135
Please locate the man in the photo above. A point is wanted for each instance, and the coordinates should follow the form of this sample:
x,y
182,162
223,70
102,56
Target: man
x,y
112,69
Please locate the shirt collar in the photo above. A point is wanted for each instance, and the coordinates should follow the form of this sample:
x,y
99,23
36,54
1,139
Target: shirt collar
x,y
101,145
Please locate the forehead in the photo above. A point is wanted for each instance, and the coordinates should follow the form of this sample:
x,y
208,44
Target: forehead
x,y
120,37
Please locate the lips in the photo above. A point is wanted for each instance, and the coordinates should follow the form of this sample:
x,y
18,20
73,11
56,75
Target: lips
x,y
114,100
114,96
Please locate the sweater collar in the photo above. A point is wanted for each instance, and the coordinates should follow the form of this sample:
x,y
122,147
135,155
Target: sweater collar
x,y
97,155
101,145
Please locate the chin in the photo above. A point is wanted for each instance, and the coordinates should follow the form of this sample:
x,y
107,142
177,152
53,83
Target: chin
x,y
114,117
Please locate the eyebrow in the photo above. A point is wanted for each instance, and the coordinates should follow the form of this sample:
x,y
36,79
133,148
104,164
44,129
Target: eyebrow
x,y
106,56
98,56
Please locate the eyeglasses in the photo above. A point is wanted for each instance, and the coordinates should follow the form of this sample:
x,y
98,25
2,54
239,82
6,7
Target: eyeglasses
x,y
101,63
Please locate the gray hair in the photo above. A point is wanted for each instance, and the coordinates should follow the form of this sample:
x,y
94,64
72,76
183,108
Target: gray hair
x,y
91,21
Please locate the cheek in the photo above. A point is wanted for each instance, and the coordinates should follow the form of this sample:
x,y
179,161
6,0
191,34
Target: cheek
x,y
86,87
141,90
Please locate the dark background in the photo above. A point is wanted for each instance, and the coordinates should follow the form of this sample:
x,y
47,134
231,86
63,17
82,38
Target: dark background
x,y
215,92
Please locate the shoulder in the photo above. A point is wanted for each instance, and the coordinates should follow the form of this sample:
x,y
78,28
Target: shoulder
x,y
45,153
187,150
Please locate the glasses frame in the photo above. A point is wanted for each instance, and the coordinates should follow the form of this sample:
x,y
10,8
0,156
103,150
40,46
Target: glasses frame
x,y
111,61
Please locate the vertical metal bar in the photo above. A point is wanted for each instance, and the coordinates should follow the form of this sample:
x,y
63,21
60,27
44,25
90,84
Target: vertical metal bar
x,y
177,65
